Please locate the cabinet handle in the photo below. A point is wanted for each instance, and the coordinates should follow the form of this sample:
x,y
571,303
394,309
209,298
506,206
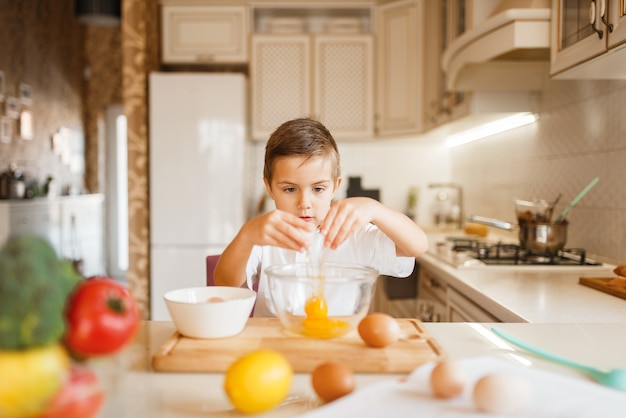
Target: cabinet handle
x,y
432,283
592,19
602,6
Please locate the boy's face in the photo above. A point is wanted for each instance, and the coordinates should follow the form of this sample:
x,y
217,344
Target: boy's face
x,y
302,187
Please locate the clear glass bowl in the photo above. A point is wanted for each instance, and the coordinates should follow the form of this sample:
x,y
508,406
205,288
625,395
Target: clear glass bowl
x,y
327,304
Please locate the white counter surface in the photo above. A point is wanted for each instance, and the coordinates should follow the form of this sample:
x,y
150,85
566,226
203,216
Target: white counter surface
x,y
141,392
532,294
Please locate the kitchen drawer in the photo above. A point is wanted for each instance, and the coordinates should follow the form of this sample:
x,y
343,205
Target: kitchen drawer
x,y
462,309
37,219
429,283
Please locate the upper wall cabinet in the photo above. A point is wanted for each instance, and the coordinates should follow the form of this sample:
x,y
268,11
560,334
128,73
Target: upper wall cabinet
x,y
464,85
204,34
280,80
399,69
314,63
444,21
588,39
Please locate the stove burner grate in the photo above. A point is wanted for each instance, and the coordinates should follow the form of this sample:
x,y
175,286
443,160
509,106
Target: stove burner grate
x,y
512,254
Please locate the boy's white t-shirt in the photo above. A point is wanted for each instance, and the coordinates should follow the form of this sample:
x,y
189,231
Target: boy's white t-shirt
x,y
368,246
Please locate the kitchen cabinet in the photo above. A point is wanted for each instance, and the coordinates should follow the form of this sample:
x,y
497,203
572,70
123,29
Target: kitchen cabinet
x,y
82,232
280,76
462,309
204,34
588,39
438,301
482,63
74,226
326,77
431,297
444,21
399,71
37,217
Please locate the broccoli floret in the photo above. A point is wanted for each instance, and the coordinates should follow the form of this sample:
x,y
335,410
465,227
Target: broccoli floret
x,y
34,287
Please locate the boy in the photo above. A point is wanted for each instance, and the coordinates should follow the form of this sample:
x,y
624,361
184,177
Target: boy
x,y
302,174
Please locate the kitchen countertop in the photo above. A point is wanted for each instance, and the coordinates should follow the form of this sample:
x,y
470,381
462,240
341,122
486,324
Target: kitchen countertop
x,y
137,391
529,294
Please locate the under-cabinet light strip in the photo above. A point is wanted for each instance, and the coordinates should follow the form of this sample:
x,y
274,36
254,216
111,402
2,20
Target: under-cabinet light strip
x,y
491,128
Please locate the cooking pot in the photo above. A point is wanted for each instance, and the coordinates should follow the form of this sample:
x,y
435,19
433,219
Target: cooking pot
x,y
538,237
12,184
537,233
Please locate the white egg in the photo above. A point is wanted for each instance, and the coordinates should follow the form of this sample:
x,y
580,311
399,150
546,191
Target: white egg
x,y
502,393
448,379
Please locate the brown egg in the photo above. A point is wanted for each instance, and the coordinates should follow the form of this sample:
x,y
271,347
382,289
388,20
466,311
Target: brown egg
x,y
332,380
502,393
379,330
448,379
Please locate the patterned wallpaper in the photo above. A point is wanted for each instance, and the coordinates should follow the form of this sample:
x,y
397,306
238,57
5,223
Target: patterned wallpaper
x,y
103,87
72,82
40,44
140,56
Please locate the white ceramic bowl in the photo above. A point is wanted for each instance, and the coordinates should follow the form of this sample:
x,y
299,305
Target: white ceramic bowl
x,y
211,311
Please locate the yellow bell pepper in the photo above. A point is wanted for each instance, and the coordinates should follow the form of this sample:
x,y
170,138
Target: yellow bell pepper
x,y
30,378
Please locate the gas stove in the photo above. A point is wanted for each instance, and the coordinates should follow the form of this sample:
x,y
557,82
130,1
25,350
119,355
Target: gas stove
x,y
467,253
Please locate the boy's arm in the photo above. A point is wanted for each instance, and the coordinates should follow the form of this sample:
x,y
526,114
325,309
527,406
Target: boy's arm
x,y
348,215
276,228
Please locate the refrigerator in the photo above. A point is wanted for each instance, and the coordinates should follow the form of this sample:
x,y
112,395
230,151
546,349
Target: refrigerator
x,y
197,125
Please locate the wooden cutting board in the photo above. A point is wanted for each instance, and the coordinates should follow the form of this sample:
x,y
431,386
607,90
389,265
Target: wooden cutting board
x,y
602,284
182,354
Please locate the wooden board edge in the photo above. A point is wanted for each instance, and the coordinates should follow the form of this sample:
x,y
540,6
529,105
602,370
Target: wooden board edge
x,y
600,283
164,351
162,361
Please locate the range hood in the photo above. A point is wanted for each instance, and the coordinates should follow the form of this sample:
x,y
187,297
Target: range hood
x,y
508,51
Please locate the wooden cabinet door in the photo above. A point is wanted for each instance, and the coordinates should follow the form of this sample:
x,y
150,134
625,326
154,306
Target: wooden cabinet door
x,y
82,232
400,76
280,72
617,18
343,86
204,34
574,39
38,217
444,21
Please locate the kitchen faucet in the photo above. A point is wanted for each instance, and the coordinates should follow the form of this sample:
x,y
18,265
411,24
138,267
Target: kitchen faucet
x,y
459,193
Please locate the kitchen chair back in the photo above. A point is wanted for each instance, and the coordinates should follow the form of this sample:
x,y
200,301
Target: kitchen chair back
x,y
211,262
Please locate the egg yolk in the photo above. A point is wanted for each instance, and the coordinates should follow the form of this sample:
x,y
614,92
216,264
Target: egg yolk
x,y
317,324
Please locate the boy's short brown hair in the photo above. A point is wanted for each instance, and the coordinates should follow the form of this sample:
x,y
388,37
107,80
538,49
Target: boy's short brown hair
x,y
302,137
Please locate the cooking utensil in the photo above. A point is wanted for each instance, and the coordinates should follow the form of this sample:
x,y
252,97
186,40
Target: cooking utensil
x,y
615,378
576,200
551,208
535,236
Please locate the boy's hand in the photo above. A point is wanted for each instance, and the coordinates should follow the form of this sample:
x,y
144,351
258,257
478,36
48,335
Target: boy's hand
x,y
345,217
279,229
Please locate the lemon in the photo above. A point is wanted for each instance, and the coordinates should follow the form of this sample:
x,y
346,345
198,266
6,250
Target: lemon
x,y
258,381
30,378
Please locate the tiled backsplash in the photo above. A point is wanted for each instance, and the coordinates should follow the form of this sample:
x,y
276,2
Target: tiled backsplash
x,y
581,134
